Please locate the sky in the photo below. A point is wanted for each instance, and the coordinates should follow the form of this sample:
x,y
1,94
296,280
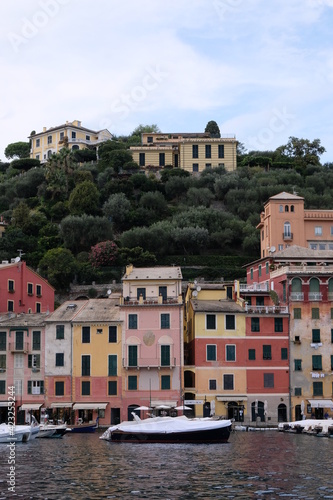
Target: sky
x,y
263,70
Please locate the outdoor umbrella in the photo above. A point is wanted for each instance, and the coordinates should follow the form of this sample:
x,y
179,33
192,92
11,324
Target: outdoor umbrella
x,y
143,408
182,407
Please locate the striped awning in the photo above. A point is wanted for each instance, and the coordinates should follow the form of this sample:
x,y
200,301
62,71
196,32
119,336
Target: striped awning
x,y
90,406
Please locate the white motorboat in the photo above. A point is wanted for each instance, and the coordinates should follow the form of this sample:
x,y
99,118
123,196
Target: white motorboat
x,y
15,433
48,430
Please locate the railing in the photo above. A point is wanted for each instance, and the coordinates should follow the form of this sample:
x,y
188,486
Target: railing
x,y
266,309
18,348
132,301
330,295
287,236
315,296
254,287
148,363
297,296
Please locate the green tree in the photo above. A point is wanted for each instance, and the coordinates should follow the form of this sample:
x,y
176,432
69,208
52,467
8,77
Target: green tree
x,y
117,209
212,128
80,233
59,171
25,164
58,266
17,150
84,199
302,151
199,197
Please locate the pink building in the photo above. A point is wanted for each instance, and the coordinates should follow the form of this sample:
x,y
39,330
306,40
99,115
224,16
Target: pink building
x,y
22,290
152,314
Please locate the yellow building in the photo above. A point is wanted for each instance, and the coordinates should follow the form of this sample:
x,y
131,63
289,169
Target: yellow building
x,y
191,152
71,134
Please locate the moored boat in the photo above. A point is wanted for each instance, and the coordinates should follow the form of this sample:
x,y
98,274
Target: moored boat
x,y
170,430
15,433
82,428
52,430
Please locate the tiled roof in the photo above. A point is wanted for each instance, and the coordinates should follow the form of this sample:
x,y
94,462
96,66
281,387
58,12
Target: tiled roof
x,y
154,273
215,306
286,196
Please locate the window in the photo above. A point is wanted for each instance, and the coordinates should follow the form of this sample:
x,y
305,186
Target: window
x,y
87,137
252,354
228,382
141,292
317,388
292,208
85,365
113,334
19,339
112,388
259,270
85,388
142,159
267,352
230,352
280,208
208,151
318,231
298,365
162,159
34,361
268,380
331,336
221,151
3,361
267,268
73,135
60,332
316,336
39,290
3,341
251,273
284,353
132,321
2,387
195,151
278,325
37,157
297,313
165,382
112,365
211,352
331,362
62,135
150,139
49,139
59,359
132,355
280,247
37,143
298,391
208,165
35,387
11,286
38,307
163,291
195,167
316,362
36,341
165,355
212,385
230,322
30,289
165,321
132,383
260,301
255,324
210,322
287,230
86,335
315,313
59,388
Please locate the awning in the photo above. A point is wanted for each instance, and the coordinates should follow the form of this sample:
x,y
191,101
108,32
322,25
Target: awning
x,y
61,405
31,406
90,406
4,404
231,398
321,403
171,404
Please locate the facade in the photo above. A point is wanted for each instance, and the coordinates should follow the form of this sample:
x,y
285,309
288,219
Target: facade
x,y
301,280
285,222
152,342
22,290
70,134
22,363
191,152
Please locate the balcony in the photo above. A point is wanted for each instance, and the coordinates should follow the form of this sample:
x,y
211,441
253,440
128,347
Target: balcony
x,y
148,363
315,296
266,309
287,236
132,301
297,296
19,348
254,287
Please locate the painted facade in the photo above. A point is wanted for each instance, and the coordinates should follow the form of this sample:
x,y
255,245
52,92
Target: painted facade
x,y
152,313
192,152
71,134
22,290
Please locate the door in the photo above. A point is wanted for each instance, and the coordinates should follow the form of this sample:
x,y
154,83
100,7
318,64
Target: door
x,y
206,409
19,341
115,416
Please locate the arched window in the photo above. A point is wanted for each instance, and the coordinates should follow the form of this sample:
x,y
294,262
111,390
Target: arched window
x,y
287,229
75,147
286,208
314,285
330,286
281,208
292,208
296,285
49,153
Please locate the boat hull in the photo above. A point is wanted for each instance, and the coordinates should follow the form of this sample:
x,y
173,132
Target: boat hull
x,y
201,436
83,428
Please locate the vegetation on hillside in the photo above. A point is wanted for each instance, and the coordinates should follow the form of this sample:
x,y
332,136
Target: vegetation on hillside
x,y
83,219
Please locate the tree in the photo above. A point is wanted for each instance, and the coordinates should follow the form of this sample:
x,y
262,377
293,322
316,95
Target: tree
x,y
58,266
25,163
199,197
212,128
17,150
59,172
81,233
103,254
84,199
302,151
117,209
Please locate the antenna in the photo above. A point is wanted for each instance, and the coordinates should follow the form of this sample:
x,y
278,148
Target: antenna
x,y
17,259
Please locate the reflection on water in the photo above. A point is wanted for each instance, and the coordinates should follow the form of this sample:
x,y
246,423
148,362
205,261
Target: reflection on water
x,y
258,465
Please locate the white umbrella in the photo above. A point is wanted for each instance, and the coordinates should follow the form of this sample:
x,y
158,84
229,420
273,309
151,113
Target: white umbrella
x,y
212,408
265,407
183,407
256,407
302,407
162,407
142,408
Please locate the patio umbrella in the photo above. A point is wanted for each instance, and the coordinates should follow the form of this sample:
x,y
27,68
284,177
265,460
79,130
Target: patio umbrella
x,y
142,408
162,407
256,407
212,408
182,407
302,407
265,407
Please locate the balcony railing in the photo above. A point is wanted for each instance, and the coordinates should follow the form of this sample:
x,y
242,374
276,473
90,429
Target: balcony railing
x,y
23,348
297,296
315,296
287,236
148,363
266,309
254,287
133,301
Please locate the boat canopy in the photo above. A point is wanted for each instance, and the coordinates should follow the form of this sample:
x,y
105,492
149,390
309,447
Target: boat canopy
x,y
321,403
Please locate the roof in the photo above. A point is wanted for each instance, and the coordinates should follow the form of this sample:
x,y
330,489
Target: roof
x,y
214,306
302,253
286,196
154,273
67,311
23,319
99,310
68,125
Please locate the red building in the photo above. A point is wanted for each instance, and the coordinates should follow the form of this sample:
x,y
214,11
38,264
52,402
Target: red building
x,y
22,290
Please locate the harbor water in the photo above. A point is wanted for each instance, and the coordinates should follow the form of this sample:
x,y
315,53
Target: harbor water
x,y
258,465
